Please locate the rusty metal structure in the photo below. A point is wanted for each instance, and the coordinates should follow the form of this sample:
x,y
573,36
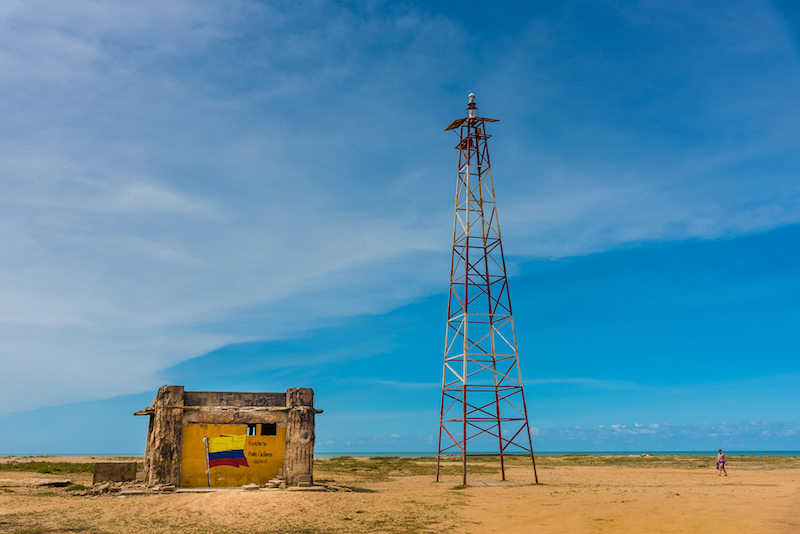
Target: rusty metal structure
x,y
483,402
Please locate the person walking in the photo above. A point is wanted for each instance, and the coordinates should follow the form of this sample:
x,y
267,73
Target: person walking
x,y
721,461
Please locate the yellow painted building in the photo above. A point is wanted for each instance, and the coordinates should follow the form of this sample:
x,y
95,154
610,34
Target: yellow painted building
x,y
213,439
264,452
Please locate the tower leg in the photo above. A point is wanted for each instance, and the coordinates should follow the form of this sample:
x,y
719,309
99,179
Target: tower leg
x,y
439,449
464,436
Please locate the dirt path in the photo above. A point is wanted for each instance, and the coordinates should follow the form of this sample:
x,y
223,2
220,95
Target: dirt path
x,y
599,499
570,499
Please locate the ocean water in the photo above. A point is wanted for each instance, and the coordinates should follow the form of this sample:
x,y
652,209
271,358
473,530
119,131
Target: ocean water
x,y
372,454
67,455
562,453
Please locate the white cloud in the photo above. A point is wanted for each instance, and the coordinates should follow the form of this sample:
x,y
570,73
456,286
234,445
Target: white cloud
x,y
747,435
666,166
143,225
164,193
744,435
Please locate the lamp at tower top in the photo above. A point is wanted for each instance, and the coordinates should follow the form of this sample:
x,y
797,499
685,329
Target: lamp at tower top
x,y
472,118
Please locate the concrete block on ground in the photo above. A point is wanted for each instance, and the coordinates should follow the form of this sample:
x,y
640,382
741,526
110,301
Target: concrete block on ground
x,y
134,491
114,472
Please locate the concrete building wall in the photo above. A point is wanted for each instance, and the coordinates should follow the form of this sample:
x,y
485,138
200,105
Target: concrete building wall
x,y
263,432
233,399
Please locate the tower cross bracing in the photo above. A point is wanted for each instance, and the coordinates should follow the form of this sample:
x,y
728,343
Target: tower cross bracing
x,y
483,403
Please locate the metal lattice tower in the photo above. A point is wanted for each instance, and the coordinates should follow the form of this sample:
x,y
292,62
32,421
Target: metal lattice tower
x,y
482,395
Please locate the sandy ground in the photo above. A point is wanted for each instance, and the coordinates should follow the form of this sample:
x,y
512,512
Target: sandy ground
x,y
569,500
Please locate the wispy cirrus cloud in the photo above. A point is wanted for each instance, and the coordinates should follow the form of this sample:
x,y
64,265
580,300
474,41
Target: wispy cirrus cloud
x,y
745,435
148,220
653,437
179,176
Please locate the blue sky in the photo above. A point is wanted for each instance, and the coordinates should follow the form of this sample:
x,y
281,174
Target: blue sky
x,y
258,195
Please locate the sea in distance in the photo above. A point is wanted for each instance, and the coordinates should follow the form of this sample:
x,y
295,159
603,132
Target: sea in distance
x,y
433,454
561,453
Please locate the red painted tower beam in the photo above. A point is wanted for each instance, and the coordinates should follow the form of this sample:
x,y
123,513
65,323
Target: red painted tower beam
x,y
483,410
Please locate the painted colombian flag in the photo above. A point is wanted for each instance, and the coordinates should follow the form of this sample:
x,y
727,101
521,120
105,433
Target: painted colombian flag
x,y
227,450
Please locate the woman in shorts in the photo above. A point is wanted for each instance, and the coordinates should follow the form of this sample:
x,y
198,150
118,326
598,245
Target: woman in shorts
x,y
721,462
